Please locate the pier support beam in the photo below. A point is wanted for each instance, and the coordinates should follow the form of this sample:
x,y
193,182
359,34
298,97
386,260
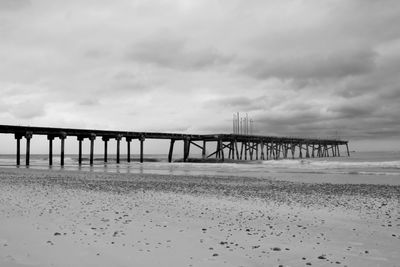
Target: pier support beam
x,y
50,138
348,152
105,139
293,149
28,137
218,151
186,149
63,136
301,150
92,138
118,138
141,139
171,150
203,150
231,150
237,150
128,149
80,139
221,147
18,137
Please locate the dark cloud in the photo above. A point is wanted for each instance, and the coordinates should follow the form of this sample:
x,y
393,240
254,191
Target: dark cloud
x,y
352,110
354,120
169,51
336,64
238,103
13,4
89,102
27,110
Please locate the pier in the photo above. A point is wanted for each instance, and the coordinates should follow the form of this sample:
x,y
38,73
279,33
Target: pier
x,y
224,146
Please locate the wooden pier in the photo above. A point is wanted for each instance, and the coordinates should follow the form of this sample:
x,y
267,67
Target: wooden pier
x,y
228,146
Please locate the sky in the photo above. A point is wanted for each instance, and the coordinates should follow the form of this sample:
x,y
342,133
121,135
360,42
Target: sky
x,y
303,68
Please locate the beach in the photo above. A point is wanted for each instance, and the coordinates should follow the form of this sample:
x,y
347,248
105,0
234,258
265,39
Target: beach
x,y
84,218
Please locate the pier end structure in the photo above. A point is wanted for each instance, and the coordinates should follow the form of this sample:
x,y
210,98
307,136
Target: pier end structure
x,y
228,146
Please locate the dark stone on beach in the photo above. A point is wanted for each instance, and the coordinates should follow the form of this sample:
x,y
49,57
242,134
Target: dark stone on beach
x,y
57,233
215,254
276,249
322,257
366,252
308,263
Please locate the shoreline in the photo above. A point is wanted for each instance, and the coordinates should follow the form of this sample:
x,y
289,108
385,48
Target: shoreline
x,y
127,219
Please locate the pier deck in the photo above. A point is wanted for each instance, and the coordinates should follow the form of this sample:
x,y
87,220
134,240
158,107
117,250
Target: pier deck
x,y
228,146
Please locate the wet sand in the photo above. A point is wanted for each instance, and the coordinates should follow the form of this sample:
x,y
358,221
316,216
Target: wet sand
x,y
68,218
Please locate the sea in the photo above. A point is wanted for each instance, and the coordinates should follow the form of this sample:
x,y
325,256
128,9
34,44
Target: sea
x,y
358,168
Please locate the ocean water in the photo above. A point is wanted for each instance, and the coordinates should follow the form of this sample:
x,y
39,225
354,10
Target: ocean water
x,y
359,168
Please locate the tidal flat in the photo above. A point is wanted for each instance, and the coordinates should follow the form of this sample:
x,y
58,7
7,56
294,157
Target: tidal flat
x,y
83,218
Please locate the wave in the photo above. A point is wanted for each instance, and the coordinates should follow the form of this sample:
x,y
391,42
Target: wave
x,y
311,164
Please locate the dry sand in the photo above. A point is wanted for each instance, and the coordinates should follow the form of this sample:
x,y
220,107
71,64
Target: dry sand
x,y
67,218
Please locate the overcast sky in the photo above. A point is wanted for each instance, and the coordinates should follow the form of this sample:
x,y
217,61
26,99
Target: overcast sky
x,y
298,68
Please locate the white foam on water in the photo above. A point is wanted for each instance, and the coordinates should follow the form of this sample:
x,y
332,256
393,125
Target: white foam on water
x,y
325,164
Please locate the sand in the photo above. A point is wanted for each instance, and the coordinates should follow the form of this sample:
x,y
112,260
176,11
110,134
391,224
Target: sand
x,y
71,218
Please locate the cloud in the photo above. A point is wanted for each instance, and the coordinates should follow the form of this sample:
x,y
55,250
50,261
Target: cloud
x,y
326,65
174,51
89,102
239,103
303,68
12,5
27,110
352,110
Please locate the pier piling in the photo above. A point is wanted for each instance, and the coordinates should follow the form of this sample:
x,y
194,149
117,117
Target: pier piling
x,y
91,138
118,138
63,136
80,139
186,149
171,150
18,137
50,138
203,151
128,148
141,139
28,137
105,139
